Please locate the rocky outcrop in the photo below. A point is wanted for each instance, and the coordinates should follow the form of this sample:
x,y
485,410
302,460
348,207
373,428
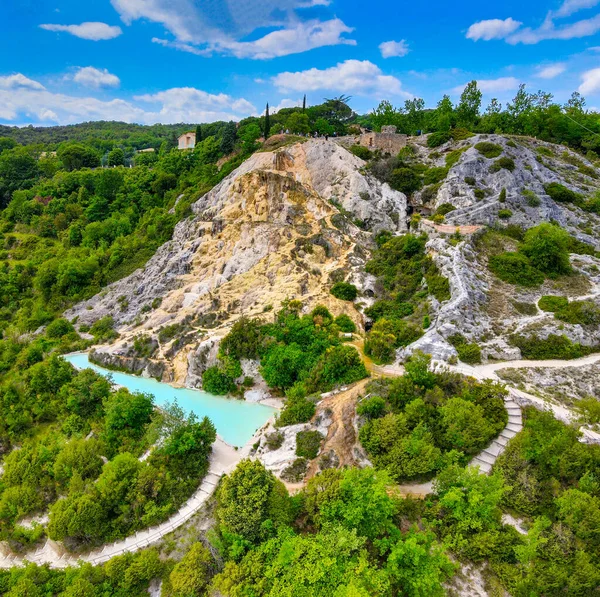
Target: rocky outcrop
x,y
283,225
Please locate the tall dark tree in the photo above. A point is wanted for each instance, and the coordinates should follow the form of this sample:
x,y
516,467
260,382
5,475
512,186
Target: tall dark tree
x,y
267,123
198,133
228,138
304,103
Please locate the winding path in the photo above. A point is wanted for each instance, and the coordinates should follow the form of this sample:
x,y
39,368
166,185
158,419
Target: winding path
x,y
223,459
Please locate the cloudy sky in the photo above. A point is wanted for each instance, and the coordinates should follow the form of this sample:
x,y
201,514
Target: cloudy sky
x,y
66,61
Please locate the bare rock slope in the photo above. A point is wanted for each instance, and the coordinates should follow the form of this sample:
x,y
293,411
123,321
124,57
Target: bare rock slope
x,y
285,224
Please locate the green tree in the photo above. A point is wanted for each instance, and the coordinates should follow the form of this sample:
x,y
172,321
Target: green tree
x,y
267,127
116,157
547,248
75,156
298,123
248,497
468,108
228,138
190,576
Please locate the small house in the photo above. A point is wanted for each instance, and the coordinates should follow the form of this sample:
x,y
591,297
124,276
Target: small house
x,y
187,141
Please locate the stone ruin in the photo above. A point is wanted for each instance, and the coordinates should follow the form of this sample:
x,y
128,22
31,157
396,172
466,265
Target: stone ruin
x,y
387,141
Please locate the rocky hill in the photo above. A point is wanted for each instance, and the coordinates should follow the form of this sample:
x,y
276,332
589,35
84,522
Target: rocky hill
x,y
284,225
289,223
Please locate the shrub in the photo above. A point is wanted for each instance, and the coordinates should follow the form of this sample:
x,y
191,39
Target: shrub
x,y
552,303
103,329
552,347
344,291
562,194
470,181
502,196
503,163
445,208
337,365
532,199
438,219
525,308
405,180
437,139
217,382
59,328
468,352
274,440
426,322
547,247
435,175
453,157
345,324
479,194
460,134
243,341
372,407
545,151
515,268
361,152
505,214
489,150
579,313
296,471
308,444
297,409
438,286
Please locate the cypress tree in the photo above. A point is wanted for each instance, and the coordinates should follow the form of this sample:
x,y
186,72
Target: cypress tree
x,y
267,123
198,133
304,103
228,138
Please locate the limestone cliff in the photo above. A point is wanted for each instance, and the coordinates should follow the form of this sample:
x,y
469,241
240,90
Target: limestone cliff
x,y
285,224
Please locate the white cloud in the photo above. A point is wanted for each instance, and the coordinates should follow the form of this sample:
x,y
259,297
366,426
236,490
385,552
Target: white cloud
x,y
88,76
22,98
510,30
90,30
19,81
303,37
570,7
551,71
492,29
488,86
548,30
219,25
390,49
352,76
590,81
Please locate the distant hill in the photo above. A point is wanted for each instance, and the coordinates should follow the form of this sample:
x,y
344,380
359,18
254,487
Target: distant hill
x,y
133,135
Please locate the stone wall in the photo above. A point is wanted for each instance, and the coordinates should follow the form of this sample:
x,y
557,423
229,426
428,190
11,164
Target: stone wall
x,y
387,142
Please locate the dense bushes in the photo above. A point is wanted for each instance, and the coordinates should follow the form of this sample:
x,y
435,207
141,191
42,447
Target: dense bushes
x,y
560,193
102,501
308,444
551,347
489,150
544,250
401,265
361,152
553,303
515,268
344,291
426,416
468,352
503,163
437,139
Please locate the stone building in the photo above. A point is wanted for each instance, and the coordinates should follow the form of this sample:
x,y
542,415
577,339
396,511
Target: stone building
x,y
388,140
187,141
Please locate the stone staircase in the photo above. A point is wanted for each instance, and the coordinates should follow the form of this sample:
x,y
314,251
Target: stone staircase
x,y
486,459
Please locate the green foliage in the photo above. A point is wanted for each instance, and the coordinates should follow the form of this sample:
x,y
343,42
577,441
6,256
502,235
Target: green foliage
x,y
248,498
489,150
551,347
244,340
547,248
361,152
103,329
584,313
308,444
396,434
505,214
479,194
190,576
553,303
217,381
515,268
437,139
372,408
503,163
445,208
560,193
468,352
405,180
532,199
435,175
345,323
274,440
502,196
297,409
344,291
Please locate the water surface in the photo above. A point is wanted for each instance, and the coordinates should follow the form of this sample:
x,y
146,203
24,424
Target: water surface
x,y
236,420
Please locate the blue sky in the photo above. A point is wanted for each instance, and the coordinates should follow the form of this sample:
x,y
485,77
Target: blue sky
x,y
65,61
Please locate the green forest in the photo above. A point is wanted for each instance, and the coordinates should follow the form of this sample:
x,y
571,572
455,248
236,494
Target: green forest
x,y
82,206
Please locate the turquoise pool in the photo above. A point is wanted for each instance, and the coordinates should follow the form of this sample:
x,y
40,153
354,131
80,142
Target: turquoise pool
x,y
236,421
